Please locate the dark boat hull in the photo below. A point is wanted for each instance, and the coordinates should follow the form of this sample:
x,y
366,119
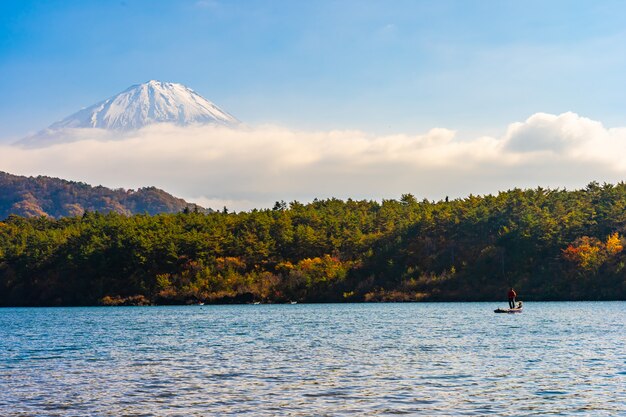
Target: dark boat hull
x,y
508,310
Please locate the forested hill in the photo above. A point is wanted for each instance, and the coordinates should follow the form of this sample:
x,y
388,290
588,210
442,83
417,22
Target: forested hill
x,y
45,196
548,244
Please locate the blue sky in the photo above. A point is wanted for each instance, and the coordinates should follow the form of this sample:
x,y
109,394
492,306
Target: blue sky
x,y
347,99
381,67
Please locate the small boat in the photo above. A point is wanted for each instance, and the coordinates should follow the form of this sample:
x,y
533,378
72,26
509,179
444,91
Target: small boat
x,y
508,310
293,302
518,309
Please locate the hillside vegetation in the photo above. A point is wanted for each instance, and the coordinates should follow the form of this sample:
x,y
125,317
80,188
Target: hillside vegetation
x,y
45,196
548,244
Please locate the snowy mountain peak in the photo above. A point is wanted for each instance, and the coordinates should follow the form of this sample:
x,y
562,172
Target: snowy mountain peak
x,y
145,104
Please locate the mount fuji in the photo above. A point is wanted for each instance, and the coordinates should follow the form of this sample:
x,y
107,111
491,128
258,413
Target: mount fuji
x,y
137,107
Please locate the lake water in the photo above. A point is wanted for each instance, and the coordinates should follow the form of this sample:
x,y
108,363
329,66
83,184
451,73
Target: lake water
x,y
314,360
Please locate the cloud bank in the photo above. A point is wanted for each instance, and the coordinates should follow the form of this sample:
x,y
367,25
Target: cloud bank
x,y
254,167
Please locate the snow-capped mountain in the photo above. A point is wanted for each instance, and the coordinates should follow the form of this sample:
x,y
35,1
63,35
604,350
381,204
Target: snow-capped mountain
x,y
145,104
136,107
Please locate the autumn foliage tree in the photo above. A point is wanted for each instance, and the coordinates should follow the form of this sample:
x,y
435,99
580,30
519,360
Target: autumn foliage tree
x,y
590,253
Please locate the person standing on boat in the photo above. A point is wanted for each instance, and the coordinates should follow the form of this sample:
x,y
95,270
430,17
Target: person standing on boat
x,y
512,294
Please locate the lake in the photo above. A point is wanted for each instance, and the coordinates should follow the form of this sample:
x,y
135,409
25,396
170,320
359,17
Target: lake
x,y
325,359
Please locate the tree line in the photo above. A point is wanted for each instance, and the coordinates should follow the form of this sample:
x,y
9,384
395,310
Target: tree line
x,y
548,244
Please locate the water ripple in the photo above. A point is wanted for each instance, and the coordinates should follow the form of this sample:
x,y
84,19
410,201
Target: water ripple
x,y
302,360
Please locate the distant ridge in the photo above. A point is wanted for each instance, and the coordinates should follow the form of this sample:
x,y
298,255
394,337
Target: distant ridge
x,y
136,107
54,197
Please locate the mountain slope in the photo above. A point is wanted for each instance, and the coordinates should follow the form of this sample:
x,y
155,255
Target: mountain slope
x,y
145,104
46,196
136,107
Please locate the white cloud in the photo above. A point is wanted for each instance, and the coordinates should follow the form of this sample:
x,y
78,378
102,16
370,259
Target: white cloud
x,y
547,132
253,167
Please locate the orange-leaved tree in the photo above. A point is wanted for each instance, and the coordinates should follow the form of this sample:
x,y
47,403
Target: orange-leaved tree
x,y
589,253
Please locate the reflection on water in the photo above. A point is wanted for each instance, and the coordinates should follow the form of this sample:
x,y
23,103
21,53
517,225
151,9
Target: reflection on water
x,y
301,360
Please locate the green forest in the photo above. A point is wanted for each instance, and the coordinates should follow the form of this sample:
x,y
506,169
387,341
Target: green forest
x,y
548,244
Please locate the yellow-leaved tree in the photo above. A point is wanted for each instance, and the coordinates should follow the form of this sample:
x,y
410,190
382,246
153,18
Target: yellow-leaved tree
x,y
589,253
